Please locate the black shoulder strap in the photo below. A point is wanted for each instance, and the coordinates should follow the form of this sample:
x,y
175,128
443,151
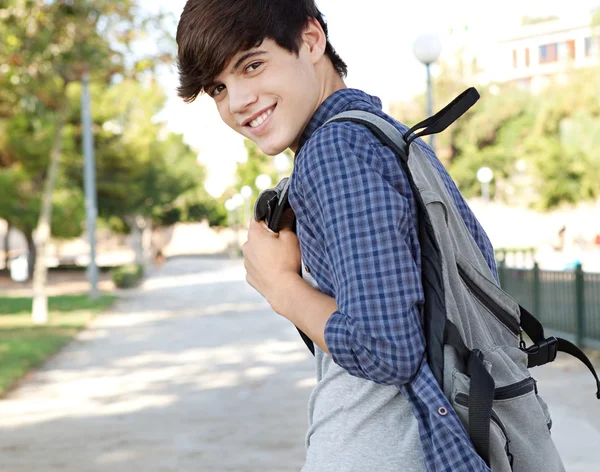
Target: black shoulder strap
x,y
544,349
481,392
445,117
432,125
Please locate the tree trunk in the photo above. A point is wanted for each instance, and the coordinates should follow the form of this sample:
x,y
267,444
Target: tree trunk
x,y
31,254
6,245
136,238
147,240
42,232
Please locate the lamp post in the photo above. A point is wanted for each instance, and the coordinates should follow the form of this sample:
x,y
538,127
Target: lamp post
x,y
427,49
485,175
91,207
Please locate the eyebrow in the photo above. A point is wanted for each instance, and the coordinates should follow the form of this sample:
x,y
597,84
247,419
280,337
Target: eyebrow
x,y
244,57
237,65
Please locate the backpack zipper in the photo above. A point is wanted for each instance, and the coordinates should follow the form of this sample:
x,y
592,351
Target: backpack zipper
x,y
499,313
515,390
463,400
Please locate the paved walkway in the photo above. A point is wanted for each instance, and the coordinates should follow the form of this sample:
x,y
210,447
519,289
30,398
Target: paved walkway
x,y
193,372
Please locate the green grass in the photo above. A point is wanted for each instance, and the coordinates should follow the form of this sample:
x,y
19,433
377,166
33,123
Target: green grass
x,y
24,345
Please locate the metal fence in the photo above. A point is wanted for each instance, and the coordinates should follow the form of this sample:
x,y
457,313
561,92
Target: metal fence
x,y
566,303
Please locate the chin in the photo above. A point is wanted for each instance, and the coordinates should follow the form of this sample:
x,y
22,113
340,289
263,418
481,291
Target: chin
x,y
272,149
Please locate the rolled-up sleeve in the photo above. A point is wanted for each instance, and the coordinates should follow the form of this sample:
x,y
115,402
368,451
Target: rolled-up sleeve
x,y
365,225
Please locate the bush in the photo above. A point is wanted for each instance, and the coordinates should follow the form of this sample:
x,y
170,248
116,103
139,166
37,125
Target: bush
x,y
127,276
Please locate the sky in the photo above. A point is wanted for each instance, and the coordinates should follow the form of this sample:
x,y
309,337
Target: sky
x,y
375,38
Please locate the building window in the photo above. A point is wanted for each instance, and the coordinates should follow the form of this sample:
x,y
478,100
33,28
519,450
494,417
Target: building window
x,y
591,46
515,61
548,53
527,58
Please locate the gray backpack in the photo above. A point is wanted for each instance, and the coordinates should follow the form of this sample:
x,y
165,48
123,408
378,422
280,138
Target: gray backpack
x,y
474,330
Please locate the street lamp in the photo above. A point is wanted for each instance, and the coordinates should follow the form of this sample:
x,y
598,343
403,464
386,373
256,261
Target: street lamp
x,y
485,175
427,49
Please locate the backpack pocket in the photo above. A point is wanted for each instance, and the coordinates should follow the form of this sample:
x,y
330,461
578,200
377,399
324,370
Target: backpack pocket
x,y
520,440
499,314
499,440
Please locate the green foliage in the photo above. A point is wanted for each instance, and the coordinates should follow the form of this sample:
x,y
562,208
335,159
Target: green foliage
x,y
141,169
128,276
257,163
554,135
493,136
56,304
45,46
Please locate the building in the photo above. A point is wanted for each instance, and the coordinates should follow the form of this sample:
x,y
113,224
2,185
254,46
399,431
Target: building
x,y
534,54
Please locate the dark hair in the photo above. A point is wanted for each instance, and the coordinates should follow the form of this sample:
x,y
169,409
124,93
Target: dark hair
x,y
211,32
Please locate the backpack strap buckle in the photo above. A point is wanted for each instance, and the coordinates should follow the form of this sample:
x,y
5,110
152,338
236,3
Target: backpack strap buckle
x,y
542,352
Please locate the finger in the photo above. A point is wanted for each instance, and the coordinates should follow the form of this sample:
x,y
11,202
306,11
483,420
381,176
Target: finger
x,y
253,225
250,281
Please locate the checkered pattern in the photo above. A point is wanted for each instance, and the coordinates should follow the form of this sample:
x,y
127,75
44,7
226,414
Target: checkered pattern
x,y
357,232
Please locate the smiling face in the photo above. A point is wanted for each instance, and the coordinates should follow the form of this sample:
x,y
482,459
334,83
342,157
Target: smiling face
x,y
269,94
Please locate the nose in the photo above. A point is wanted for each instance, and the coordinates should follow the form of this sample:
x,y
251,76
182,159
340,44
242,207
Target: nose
x,y
240,97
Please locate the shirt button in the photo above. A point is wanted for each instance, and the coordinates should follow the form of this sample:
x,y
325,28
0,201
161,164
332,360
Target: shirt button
x,y
442,411
306,269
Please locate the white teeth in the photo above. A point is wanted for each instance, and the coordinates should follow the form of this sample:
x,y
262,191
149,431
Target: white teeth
x,y
261,119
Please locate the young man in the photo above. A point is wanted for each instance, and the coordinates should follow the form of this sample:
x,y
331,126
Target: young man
x,y
276,80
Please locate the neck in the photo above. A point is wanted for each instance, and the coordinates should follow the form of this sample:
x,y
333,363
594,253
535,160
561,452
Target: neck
x,y
331,82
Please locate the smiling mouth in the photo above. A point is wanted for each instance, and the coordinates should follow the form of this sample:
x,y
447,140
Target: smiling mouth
x,y
255,123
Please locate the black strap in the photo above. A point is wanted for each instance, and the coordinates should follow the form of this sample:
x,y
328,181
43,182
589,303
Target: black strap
x,y
445,117
309,344
481,392
270,206
481,396
544,349
531,326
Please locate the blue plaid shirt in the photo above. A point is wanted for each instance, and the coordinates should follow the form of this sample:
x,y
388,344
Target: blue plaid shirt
x,y
358,236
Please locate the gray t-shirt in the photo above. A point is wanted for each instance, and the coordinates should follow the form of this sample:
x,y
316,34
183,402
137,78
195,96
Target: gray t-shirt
x,y
355,425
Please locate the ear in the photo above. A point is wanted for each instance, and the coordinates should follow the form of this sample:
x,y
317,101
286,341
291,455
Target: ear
x,y
314,40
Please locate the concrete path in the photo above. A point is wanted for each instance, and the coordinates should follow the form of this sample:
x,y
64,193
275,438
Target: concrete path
x,y
194,372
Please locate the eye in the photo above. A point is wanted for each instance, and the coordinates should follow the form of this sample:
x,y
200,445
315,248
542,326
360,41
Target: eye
x,y
252,67
216,90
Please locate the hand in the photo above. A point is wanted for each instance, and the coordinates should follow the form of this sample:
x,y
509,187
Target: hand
x,y
271,258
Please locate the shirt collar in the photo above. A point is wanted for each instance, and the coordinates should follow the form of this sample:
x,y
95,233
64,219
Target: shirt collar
x,y
339,101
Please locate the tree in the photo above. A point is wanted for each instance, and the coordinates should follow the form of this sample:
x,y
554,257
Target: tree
x,y
492,136
554,133
143,172
25,142
45,46
561,146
